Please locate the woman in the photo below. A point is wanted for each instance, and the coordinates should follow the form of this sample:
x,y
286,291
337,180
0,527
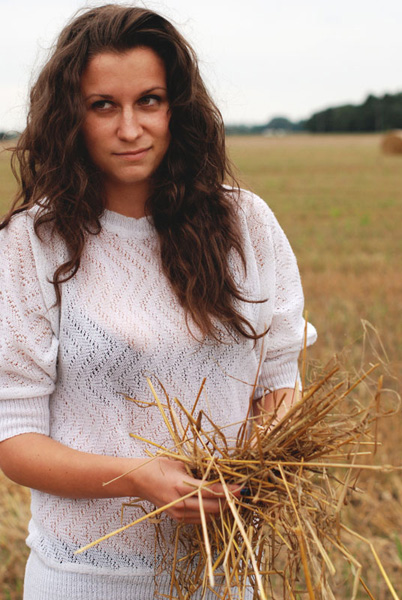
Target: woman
x,y
125,256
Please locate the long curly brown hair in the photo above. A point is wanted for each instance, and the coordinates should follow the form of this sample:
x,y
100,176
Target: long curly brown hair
x,y
193,214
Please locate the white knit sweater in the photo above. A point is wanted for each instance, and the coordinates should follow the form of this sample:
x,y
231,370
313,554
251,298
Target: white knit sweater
x,y
64,370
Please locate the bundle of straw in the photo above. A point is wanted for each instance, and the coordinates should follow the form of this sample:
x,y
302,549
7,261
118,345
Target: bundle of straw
x,y
296,472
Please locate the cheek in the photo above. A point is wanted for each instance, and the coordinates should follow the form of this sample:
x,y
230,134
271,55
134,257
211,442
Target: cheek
x,y
94,136
87,131
164,130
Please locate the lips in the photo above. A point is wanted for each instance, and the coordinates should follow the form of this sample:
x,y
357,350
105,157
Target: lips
x,y
132,154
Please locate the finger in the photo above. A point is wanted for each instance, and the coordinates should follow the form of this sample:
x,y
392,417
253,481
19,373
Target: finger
x,y
212,506
192,517
208,505
216,490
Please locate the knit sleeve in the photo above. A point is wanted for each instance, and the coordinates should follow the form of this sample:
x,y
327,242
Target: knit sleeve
x,y
28,332
283,316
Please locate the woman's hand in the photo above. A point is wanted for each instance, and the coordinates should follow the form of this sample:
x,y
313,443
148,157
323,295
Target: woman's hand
x,y
162,481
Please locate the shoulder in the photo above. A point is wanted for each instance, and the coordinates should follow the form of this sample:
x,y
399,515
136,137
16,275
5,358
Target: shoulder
x,y
251,209
28,262
20,233
15,238
20,226
27,253
263,236
256,218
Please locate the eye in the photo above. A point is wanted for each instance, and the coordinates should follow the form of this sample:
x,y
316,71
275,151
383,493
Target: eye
x,y
102,105
150,100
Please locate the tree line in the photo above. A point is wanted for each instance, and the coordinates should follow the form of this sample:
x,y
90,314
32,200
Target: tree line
x,y
374,114
7,135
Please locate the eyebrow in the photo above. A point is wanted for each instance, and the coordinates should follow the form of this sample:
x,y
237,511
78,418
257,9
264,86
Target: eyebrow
x,y
110,97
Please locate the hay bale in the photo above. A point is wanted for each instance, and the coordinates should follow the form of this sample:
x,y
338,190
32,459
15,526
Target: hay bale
x,y
392,142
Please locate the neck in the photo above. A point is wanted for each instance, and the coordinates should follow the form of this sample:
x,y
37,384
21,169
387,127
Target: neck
x,y
127,200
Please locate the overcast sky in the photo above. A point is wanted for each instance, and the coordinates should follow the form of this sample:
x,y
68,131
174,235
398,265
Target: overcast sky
x,y
260,58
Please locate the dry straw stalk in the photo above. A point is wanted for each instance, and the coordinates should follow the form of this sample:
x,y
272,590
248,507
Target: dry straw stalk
x,y
297,472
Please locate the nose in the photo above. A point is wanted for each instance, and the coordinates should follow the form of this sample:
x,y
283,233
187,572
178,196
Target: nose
x,y
129,127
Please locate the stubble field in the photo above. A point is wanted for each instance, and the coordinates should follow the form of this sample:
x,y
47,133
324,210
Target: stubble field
x,y
339,200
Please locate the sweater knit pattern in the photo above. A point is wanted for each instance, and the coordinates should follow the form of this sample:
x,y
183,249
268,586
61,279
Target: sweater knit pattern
x,y
65,370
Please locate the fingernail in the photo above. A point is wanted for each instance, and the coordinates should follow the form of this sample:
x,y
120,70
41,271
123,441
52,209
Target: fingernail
x,y
245,491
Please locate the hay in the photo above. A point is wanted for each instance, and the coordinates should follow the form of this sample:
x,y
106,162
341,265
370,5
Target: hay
x,y
297,473
391,143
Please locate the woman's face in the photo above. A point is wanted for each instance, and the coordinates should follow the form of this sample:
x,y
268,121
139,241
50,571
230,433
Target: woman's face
x,y
126,127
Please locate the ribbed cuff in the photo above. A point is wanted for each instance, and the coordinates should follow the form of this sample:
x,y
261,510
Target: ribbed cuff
x,y
24,415
278,373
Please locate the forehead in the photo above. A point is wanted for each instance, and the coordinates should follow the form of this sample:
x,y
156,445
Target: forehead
x,y
139,67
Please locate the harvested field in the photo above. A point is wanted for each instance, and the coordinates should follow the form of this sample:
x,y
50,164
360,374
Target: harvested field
x,y
339,200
